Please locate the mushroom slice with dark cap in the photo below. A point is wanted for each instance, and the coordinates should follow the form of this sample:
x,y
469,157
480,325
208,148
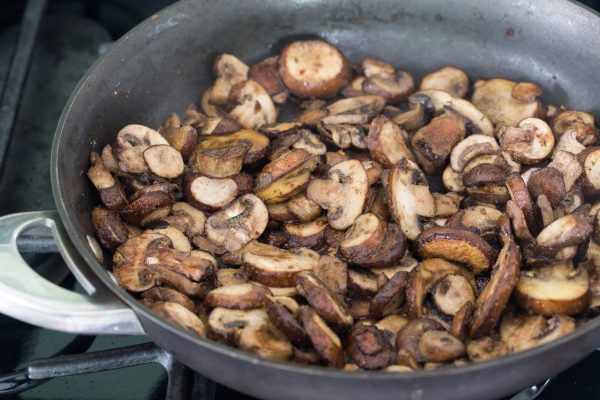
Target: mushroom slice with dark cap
x,y
486,348
409,197
390,251
547,181
518,191
223,161
493,298
313,68
582,124
440,346
434,142
567,164
554,289
572,229
368,347
108,187
451,293
110,231
323,301
210,193
458,245
242,296
530,142
234,226
163,294
470,148
408,338
589,180
267,75
425,276
363,238
386,143
481,220
393,88
283,313
390,297
272,266
303,208
334,274
342,194
324,340
306,234
521,332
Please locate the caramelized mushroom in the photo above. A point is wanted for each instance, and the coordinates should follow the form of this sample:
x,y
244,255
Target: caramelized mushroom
x,y
522,332
323,339
386,143
368,347
449,79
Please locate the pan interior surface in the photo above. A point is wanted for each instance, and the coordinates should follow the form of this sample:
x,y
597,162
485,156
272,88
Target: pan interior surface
x,y
165,64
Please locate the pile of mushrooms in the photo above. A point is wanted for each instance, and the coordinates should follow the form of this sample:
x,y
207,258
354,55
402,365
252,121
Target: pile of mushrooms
x,y
388,226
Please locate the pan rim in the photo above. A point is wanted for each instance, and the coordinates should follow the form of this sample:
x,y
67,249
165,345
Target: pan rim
x,y
207,344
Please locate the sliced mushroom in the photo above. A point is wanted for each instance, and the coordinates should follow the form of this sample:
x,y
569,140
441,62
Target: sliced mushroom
x,y
451,293
372,67
449,79
452,180
507,102
568,142
313,68
334,274
140,209
368,347
590,178
282,312
566,163
409,197
309,142
409,337
496,293
323,301
265,340
522,332
181,137
224,323
280,212
460,321
323,339
530,142
210,193
580,123
423,279
440,346
389,251
518,192
486,348
394,88
390,297
303,208
197,217
377,203
485,183
434,142
471,147
235,257
554,289
545,210
180,316
547,181
230,71
234,226
391,325
306,234
109,159
221,162
480,220
364,284
458,245
110,231
130,144
111,194
272,266
386,143
242,296
254,107
266,74
446,205
518,222
165,294
231,276
363,237
572,229
342,194
354,110
179,241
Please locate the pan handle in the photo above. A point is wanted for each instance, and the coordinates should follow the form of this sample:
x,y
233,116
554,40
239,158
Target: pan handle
x,y
27,296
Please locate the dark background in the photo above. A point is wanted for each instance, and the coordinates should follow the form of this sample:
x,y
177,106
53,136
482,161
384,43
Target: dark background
x,y
73,34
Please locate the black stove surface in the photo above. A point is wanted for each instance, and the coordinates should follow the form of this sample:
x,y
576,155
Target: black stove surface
x,y
71,37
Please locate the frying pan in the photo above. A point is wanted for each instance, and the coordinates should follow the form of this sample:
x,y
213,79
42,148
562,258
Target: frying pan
x,y
165,63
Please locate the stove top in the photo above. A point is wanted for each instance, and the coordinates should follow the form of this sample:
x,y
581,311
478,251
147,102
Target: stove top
x,y
71,36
